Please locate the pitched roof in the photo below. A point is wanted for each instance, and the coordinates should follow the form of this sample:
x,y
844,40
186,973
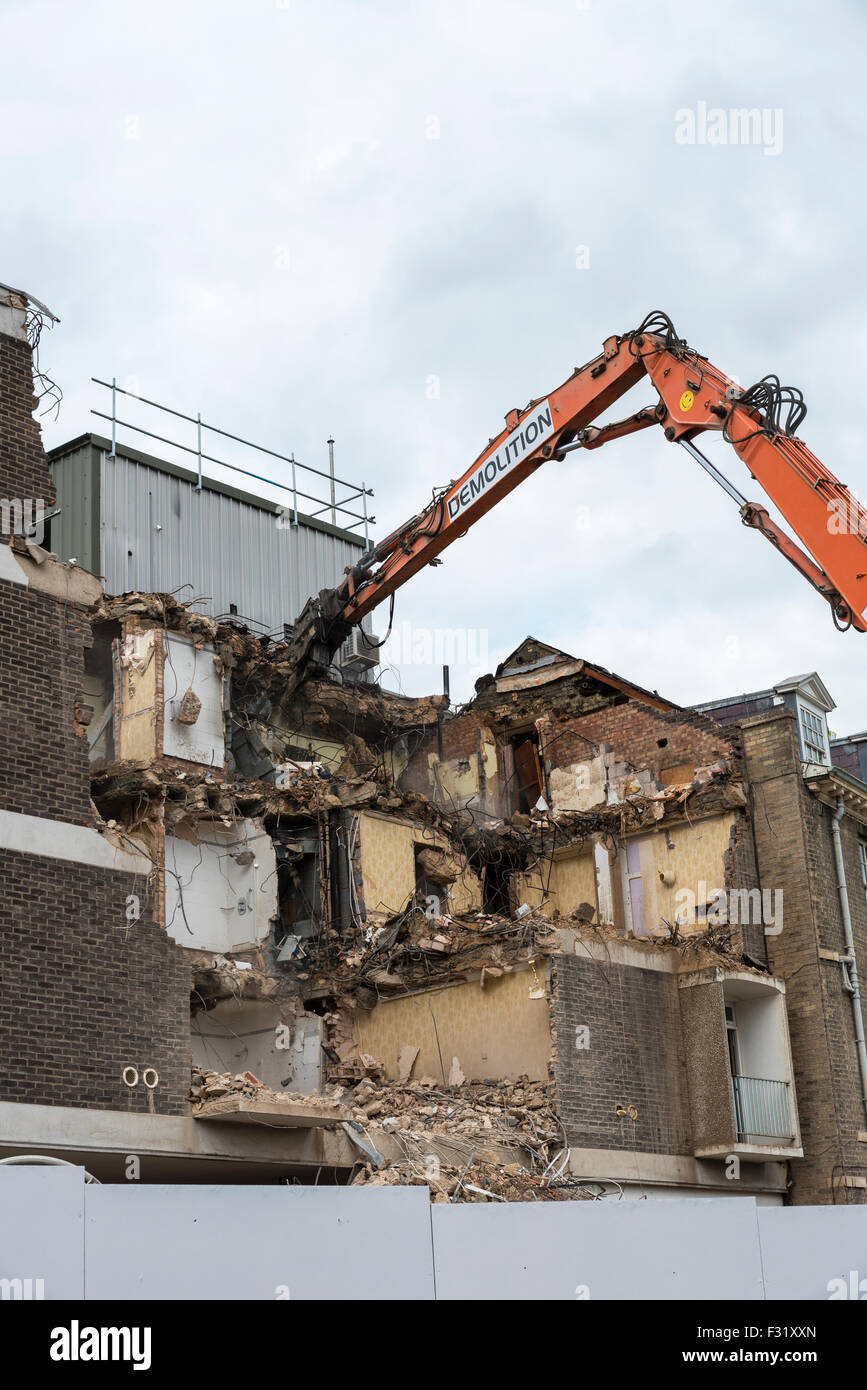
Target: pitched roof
x,y
537,663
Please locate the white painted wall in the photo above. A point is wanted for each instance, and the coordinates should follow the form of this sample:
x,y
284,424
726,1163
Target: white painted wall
x,y
247,1035
604,890
186,667
242,1035
306,1054
761,1022
213,903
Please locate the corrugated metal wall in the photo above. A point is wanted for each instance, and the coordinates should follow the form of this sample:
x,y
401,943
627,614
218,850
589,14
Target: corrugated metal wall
x,y
158,534
75,532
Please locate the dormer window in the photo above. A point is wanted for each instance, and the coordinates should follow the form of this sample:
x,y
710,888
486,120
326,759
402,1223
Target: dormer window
x,y
810,701
814,735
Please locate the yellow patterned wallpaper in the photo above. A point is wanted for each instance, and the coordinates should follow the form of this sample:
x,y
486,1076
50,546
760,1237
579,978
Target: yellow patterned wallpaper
x,y
387,859
498,1031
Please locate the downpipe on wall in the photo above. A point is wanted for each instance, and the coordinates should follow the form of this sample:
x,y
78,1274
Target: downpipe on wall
x,y
849,962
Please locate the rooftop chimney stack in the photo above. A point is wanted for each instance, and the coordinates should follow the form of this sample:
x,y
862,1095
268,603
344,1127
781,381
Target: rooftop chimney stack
x,y
13,314
24,472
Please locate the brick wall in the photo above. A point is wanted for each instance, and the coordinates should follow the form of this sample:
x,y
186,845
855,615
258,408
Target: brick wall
x,y
742,871
45,762
84,992
639,735
634,1057
459,738
836,1005
42,641
23,468
793,840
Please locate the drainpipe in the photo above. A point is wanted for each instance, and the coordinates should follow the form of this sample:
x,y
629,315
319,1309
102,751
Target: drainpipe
x,y
850,975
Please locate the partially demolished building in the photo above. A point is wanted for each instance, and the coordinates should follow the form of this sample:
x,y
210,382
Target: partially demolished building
x,y
535,948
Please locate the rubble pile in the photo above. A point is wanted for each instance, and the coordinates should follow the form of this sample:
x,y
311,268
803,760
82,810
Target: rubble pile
x,y
127,792
271,771
473,1142
715,945
465,1141
412,948
214,1085
214,978
474,1181
388,825
514,1111
537,834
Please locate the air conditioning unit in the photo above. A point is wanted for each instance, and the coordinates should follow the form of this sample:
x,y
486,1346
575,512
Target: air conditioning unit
x,y
357,653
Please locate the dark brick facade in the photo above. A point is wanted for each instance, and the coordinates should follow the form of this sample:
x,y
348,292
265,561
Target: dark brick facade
x,y
83,992
635,1057
742,872
24,470
795,853
45,762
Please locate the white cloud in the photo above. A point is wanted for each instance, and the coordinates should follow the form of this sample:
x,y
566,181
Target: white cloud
x,y
238,203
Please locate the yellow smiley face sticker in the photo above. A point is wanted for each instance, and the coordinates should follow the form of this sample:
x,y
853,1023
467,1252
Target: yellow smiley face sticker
x,y
687,401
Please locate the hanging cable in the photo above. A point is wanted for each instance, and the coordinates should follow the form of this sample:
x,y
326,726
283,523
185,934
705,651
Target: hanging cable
x,y
371,641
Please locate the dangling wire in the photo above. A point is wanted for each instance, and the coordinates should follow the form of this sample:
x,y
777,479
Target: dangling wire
x,y
841,627
371,641
34,324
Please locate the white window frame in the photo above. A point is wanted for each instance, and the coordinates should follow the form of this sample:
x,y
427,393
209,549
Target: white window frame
x,y
733,1041
813,734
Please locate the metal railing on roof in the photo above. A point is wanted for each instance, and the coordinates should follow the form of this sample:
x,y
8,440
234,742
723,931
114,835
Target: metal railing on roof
x,y
342,514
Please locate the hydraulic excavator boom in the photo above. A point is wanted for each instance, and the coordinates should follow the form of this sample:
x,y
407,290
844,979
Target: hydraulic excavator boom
x,y
693,397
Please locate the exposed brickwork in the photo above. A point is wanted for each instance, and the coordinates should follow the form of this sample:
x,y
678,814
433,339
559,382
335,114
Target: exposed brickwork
x,y
45,761
84,993
45,770
795,851
573,728
460,737
741,871
634,1057
23,468
635,732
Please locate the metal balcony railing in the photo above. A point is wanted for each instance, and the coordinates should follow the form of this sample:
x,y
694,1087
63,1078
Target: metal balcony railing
x,y
337,506
763,1109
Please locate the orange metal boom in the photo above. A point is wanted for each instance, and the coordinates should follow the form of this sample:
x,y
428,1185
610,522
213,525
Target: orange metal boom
x,y
694,396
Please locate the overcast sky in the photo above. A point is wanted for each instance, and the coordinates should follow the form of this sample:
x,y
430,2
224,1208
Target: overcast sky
x,y
295,217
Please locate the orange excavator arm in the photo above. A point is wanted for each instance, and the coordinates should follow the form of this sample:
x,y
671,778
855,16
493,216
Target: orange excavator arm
x,y
693,397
